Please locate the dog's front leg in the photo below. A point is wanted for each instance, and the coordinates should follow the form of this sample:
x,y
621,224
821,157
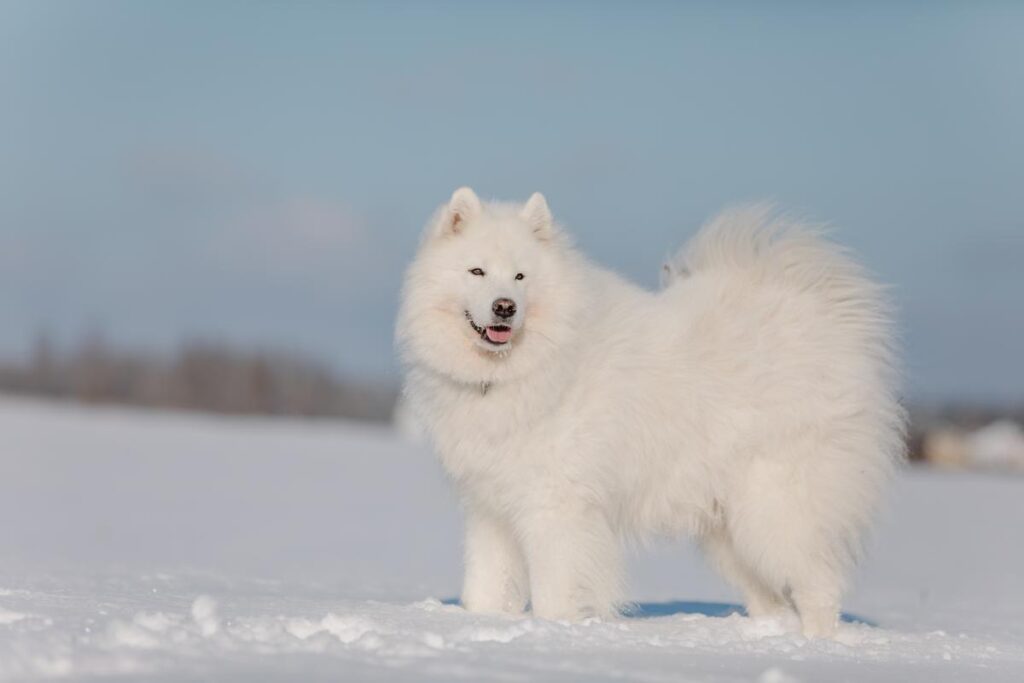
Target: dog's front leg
x,y
574,561
495,579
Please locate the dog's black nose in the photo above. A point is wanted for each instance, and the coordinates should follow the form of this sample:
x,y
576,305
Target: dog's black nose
x,y
504,308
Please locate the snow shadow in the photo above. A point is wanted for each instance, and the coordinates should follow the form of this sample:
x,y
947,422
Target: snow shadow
x,y
653,610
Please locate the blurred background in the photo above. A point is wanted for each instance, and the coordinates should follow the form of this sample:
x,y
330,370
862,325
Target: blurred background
x,y
209,206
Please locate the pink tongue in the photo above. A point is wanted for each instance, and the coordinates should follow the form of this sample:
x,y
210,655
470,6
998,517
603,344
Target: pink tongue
x,y
498,336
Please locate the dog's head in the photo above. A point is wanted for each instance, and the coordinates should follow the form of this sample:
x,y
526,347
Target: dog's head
x,y
490,290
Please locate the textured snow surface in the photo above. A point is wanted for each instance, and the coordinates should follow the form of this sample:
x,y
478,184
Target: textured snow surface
x,y
153,546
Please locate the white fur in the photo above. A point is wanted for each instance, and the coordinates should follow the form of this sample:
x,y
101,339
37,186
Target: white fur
x,y
750,403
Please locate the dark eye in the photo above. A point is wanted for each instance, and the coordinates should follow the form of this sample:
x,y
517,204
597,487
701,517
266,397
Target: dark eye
x,y
519,276
477,271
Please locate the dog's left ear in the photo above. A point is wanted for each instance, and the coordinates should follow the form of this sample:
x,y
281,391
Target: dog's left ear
x,y
538,216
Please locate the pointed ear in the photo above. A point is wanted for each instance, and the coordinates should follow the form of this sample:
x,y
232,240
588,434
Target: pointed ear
x,y
462,207
537,214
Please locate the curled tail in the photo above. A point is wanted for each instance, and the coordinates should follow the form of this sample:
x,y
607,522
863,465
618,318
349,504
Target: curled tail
x,y
764,246
761,240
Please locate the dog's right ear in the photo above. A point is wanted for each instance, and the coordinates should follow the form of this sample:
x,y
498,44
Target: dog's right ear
x,y
464,206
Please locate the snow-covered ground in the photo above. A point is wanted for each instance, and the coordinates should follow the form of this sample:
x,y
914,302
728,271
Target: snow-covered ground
x,y
179,547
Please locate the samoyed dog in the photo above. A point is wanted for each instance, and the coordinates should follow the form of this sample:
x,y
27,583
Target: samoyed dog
x,y
750,403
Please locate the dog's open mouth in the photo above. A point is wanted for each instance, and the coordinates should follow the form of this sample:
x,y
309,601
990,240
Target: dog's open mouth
x,y
492,334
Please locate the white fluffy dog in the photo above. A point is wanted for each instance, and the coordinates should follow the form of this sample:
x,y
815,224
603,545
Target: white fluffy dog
x,y
750,403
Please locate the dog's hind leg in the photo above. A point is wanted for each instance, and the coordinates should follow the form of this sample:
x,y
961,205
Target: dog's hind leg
x,y
789,526
817,602
759,598
495,578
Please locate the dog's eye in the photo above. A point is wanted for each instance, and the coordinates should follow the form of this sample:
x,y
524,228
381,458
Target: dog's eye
x,y
519,276
477,271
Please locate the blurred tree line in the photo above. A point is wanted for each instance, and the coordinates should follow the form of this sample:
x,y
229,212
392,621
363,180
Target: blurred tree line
x,y
199,375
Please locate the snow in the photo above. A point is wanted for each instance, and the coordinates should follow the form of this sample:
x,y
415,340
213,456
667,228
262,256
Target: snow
x,y
182,547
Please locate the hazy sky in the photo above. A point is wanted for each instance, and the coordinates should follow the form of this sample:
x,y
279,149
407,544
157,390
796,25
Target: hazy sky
x,y
261,172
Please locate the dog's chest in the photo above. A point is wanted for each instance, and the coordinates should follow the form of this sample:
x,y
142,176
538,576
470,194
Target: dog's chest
x,y
490,433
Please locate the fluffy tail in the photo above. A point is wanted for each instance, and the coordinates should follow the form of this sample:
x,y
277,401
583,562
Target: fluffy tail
x,y
759,239
767,246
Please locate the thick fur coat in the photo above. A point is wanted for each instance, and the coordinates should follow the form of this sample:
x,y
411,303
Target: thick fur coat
x,y
750,403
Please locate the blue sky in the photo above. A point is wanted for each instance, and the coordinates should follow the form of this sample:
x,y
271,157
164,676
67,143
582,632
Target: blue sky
x,y
260,172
